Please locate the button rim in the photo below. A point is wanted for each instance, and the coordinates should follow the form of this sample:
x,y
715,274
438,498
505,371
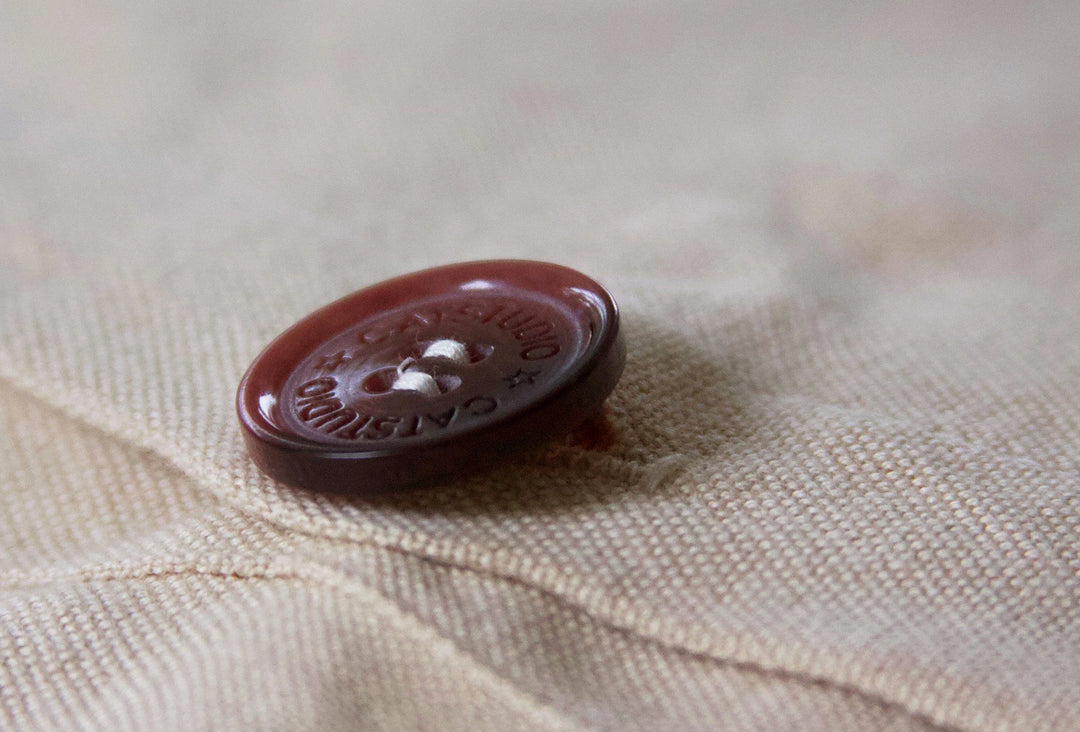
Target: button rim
x,y
303,462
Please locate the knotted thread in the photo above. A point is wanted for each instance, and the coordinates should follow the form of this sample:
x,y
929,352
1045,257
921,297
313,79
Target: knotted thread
x,y
409,378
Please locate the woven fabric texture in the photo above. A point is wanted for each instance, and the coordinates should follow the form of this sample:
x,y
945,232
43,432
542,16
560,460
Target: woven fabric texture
x,y
844,487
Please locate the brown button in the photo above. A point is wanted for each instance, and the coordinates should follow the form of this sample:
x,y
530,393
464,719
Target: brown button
x,y
431,375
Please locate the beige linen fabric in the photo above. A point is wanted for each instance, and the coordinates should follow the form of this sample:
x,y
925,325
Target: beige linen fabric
x,y
844,492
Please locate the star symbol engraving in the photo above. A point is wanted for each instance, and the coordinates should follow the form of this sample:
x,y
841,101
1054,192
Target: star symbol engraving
x,y
523,376
331,362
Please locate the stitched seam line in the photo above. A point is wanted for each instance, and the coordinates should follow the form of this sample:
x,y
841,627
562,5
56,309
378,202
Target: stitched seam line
x,y
325,578
426,552
153,570
21,580
745,666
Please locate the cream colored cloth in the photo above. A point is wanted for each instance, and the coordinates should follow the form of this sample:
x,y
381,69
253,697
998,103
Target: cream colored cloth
x,y
844,492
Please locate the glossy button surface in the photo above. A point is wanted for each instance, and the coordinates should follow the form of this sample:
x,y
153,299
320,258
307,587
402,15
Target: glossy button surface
x,y
431,375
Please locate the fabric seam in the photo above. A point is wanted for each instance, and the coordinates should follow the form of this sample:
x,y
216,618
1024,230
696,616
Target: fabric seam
x,y
152,449
323,577
103,573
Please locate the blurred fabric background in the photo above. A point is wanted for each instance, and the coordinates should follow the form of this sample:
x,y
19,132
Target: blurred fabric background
x,y
845,488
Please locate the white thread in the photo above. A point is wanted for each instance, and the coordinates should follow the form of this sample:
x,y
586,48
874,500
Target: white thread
x,y
417,381
421,381
450,349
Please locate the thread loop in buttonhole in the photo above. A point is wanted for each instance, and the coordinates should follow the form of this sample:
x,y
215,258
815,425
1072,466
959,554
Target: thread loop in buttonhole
x,y
410,378
361,398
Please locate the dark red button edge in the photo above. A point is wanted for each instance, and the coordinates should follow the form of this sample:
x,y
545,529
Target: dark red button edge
x,y
304,463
